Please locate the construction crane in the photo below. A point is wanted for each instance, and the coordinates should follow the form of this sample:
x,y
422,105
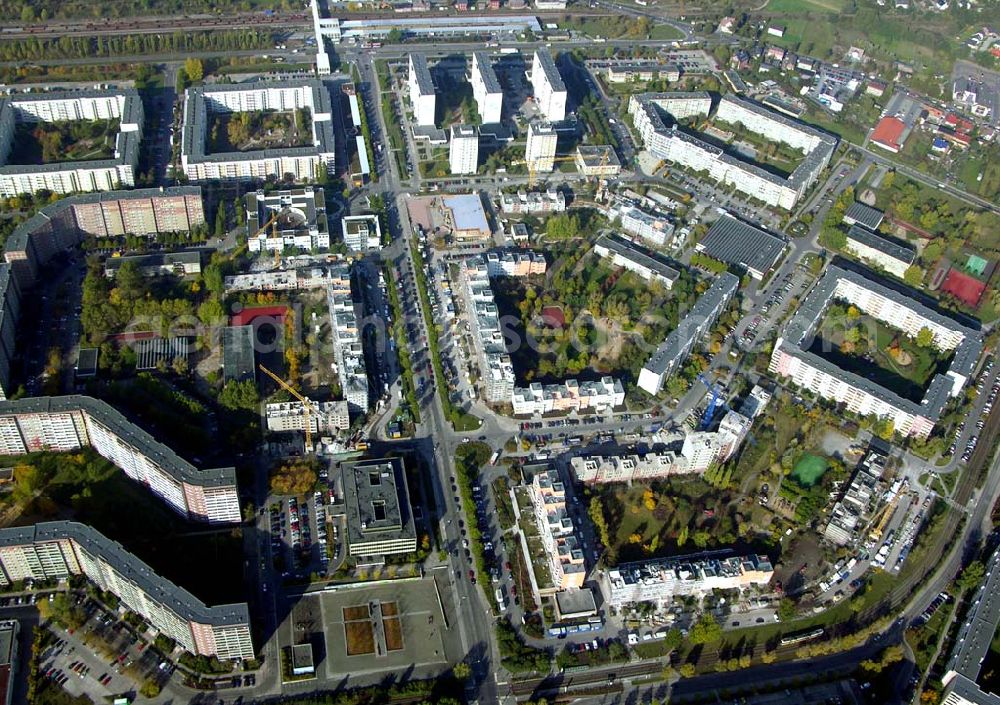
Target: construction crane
x,y
532,172
887,511
307,407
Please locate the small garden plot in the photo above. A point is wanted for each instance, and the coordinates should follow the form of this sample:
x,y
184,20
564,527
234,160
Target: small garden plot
x,y
356,612
393,633
360,638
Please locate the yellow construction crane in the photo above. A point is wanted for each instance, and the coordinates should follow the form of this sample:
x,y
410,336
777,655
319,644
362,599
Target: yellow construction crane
x,y
307,408
887,510
531,166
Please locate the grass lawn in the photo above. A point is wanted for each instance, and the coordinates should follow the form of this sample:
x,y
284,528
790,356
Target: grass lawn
x,y
795,6
809,469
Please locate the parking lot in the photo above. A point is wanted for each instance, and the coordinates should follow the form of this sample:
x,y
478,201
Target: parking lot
x,y
306,535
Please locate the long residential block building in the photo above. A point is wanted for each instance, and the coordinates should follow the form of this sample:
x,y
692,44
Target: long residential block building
x,y
669,142
793,360
563,550
68,423
303,163
651,266
659,581
530,202
348,352
496,369
486,89
571,395
891,255
323,416
679,343
118,171
548,87
60,549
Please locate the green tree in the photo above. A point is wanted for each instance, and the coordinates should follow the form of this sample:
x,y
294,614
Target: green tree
x,y
786,609
395,36
687,670
220,221
462,671
925,337
913,275
194,69
972,576
705,631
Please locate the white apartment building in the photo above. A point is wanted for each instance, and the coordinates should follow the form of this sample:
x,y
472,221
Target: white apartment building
x,y
361,232
463,150
109,174
303,163
347,348
288,218
557,531
422,96
548,86
654,228
324,417
540,150
792,359
571,395
892,256
649,265
60,549
550,201
71,422
514,263
486,89
685,149
658,581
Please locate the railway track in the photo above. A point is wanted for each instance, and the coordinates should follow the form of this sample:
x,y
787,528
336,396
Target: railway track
x,y
155,25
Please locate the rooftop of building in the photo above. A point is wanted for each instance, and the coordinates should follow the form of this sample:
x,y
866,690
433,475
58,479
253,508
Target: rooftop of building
x,y
733,241
467,212
463,131
377,500
865,215
238,350
548,67
486,73
422,74
155,259
156,588
599,155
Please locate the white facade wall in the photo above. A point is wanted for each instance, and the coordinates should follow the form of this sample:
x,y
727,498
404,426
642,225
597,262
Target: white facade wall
x,y
540,150
489,101
463,152
551,99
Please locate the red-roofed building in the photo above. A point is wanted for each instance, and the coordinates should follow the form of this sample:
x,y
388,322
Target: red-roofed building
x,y
248,315
888,134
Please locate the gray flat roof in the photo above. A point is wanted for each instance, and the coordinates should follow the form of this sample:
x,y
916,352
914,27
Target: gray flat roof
x,y
486,72
576,601
977,632
732,241
109,417
897,250
376,500
598,155
238,352
640,255
425,84
156,259
159,589
864,215
548,67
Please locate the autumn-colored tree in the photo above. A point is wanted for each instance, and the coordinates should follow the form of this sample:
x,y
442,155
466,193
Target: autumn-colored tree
x,y
295,478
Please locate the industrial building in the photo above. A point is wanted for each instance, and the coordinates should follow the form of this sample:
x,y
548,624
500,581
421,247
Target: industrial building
x,y
63,424
361,233
377,503
463,149
571,395
303,163
540,148
548,87
486,89
60,549
659,580
667,141
423,99
288,218
123,105
649,265
679,342
466,217
743,245
792,359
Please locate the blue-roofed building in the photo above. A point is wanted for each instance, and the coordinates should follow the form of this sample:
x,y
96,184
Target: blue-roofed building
x,y
467,217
